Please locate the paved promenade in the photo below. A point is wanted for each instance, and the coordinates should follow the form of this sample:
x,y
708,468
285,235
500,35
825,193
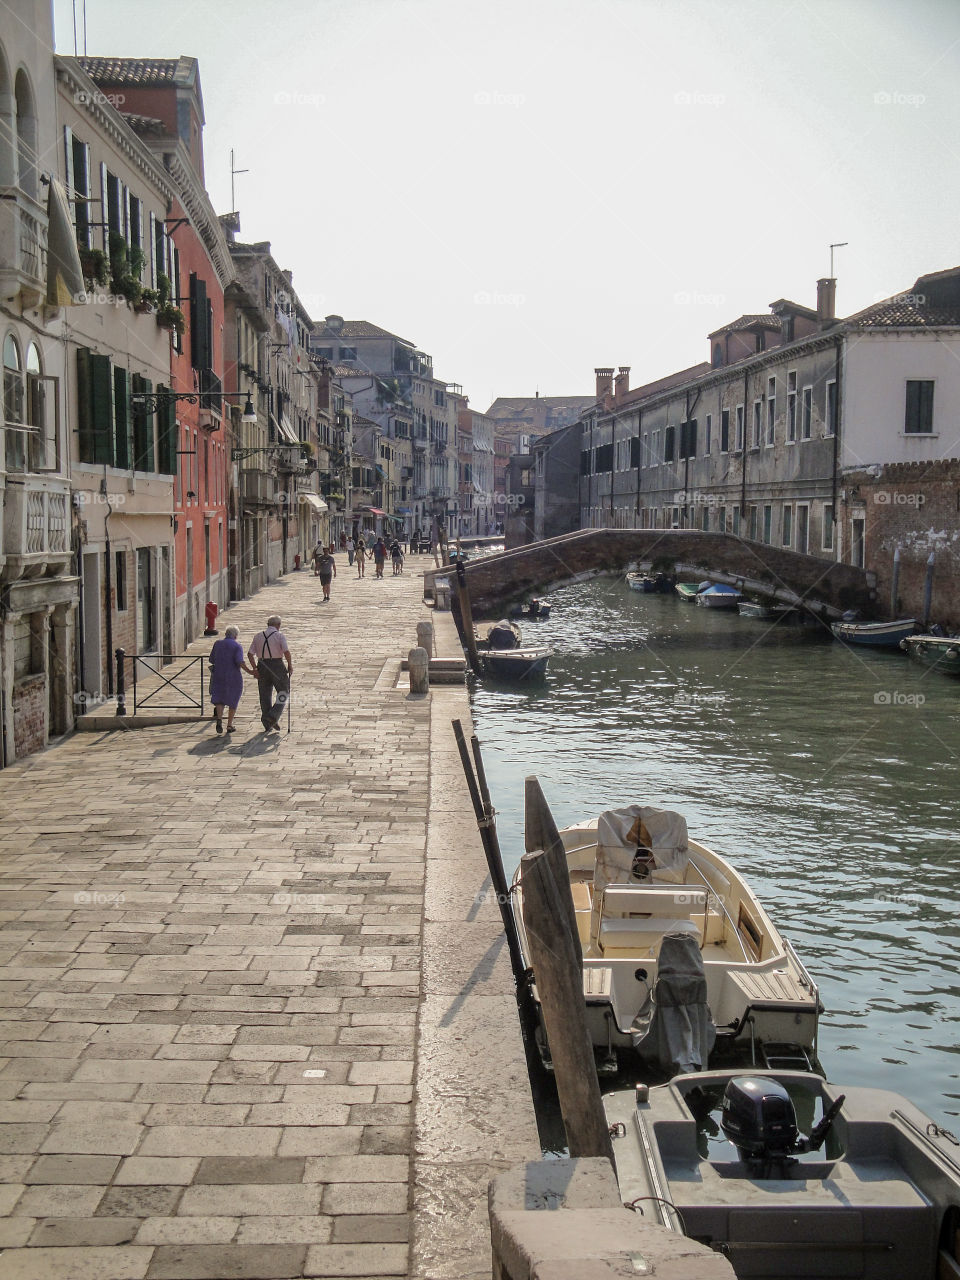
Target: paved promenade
x,y
256,1024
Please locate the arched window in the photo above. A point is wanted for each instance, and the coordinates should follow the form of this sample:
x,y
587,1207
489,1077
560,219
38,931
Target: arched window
x,y
41,413
8,168
28,178
13,414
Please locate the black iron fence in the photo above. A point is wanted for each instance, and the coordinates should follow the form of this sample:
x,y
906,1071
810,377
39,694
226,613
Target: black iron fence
x,y
152,677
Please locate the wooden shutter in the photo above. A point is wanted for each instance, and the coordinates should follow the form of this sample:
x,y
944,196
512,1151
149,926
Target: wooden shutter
x,y
101,404
166,433
84,404
104,213
121,416
142,426
153,250
68,164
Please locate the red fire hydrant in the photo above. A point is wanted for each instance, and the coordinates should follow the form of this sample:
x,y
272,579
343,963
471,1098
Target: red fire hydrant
x,y
211,615
296,561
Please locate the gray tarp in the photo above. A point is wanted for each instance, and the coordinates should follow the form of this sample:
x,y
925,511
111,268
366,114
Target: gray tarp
x,y
620,832
674,1027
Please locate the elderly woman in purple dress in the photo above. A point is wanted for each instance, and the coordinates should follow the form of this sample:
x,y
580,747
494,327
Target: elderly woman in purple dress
x,y
226,682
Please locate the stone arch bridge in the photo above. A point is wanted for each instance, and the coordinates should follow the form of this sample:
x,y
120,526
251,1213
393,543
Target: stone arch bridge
x,y
823,586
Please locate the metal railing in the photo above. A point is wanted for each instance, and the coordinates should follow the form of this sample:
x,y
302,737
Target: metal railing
x,y
191,670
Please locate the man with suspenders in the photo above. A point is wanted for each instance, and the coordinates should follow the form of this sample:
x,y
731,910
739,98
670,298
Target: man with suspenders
x,y
268,653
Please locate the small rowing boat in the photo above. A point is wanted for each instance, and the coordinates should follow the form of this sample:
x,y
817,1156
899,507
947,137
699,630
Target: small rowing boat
x,y
877,635
939,653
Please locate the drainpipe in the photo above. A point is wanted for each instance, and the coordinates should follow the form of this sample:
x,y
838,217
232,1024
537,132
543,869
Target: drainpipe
x,y
837,370
108,583
639,460
743,454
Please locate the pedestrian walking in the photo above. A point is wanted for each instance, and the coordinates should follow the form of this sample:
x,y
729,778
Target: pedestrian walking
x,y
379,555
351,550
317,553
361,558
396,555
269,655
327,569
226,677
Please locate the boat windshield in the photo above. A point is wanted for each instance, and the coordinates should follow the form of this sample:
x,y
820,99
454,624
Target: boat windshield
x,y
640,843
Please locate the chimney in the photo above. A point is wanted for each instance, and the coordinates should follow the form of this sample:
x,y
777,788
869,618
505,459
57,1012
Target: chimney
x,y
621,383
604,382
826,301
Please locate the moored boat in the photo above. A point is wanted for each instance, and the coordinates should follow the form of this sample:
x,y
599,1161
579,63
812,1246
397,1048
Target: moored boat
x,y
658,914
505,657
719,596
651,583
722,1157
690,590
877,635
939,653
639,581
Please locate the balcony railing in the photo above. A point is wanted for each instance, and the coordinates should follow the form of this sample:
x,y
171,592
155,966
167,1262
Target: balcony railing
x,y
23,246
258,488
36,522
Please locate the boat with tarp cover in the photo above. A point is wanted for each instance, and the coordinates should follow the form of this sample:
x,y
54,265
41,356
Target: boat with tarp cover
x,y
681,963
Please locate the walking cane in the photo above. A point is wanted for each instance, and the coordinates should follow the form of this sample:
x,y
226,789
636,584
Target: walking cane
x,y
289,690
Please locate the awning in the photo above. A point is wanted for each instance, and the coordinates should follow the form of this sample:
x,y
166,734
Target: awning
x,y
318,504
285,433
375,511
404,511
65,287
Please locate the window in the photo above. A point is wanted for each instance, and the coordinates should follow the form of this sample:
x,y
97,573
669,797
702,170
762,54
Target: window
x,y
78,179
668,446
707,433
771,410
791,407
803,527
767,523
688,439
787,530
826,540
806,426
120,566
13,406
604,457
585,468
705,519
857,539
831,408
722,519
757,423
736,522
739,444
724,430
754,523
918,419
348,353
635,454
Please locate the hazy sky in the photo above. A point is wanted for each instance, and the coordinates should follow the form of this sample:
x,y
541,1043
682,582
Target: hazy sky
x,y
529,188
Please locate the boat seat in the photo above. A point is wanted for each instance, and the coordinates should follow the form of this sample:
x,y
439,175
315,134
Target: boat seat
x,y
652,900
636,933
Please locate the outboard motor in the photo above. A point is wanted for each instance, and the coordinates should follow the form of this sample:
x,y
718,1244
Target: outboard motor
x,y
759,1118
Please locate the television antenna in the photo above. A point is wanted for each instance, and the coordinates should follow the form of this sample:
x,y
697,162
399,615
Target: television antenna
x,y
233,173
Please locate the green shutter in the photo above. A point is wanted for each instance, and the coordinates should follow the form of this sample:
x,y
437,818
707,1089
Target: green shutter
x,y
84,405
101,383
121,417
142,426
166,433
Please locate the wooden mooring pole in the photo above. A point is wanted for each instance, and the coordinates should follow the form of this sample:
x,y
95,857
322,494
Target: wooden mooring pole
x,y
466,618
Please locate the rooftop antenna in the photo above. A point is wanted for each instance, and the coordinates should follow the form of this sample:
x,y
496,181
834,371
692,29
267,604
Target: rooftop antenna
x,y
841,244
233,173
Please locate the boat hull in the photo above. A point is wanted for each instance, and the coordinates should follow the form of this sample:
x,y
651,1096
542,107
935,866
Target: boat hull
x,y
687,591
516,664
714,598
875,635
938,653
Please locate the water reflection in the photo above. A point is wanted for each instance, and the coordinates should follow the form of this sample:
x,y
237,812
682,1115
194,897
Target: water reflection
x,y
829,775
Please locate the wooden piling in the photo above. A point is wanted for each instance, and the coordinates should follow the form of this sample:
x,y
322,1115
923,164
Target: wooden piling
x,y
466,616
559,979
540,833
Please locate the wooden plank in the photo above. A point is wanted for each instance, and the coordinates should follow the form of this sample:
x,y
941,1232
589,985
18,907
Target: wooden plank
x,y
540,832
557,968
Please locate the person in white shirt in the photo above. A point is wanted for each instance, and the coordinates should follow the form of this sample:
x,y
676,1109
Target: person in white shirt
x,y
269,655
351,548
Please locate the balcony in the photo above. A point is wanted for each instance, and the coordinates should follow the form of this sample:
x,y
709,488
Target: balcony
x,y
23,248
258,488
36,526
211,399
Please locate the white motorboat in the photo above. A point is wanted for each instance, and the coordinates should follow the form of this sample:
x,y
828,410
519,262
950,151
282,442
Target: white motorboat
x,y
659,914
873,1191
504,656
719,596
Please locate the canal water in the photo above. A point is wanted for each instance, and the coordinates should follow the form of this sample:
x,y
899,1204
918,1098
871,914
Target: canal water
x,y
827,775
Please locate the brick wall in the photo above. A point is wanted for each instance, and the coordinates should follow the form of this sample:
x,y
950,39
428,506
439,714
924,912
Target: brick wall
x,y
916,507
29,715
124,623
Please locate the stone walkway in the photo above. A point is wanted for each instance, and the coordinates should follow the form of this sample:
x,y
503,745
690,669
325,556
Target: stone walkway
x,y
212,983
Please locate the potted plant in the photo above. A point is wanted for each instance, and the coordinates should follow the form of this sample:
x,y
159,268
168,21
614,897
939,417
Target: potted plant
x,y
93,263
171,317
149,301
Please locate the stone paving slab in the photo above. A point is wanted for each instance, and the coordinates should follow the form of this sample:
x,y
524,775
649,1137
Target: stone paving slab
x,y
223,1050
